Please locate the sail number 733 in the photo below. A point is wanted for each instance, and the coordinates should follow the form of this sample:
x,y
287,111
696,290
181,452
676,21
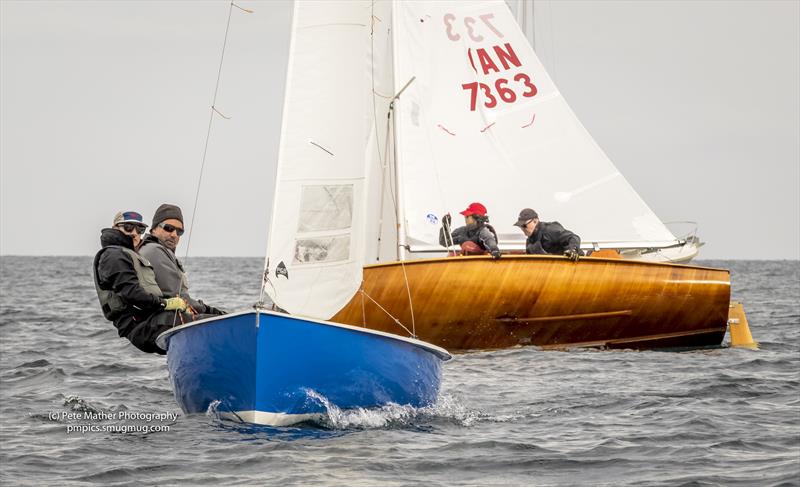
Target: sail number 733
x,y
502,90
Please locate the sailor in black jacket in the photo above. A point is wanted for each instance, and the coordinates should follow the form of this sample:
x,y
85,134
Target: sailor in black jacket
x,y
476,237
547,237
126,286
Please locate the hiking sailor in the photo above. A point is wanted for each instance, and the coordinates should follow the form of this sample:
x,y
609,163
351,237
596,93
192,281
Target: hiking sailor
x,y
126,285
547,237
159,248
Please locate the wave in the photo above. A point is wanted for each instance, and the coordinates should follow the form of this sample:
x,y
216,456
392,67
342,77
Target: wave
x,y
447,410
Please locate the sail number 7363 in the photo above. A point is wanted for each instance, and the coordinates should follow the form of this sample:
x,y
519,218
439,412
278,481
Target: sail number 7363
x,y
502,89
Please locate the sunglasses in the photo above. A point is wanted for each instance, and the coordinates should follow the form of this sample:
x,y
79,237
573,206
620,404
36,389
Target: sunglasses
x,y
171,228
132,227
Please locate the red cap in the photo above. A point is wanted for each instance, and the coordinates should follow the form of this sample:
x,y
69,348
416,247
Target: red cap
x,y
475,209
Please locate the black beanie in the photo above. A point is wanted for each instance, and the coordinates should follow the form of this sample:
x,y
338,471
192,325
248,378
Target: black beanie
x,y
166,212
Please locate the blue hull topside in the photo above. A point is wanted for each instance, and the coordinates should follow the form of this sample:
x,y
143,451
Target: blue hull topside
x,y
269,368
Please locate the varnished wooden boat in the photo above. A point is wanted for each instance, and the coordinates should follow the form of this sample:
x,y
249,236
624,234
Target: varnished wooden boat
x,y
475,302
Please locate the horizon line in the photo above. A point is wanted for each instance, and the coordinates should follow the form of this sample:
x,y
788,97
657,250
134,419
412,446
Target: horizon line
x,y
262,257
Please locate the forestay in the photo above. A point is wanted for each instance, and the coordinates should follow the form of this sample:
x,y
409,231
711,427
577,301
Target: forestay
x,y
317,236
483,121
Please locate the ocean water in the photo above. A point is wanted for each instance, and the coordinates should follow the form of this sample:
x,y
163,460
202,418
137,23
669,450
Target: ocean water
x,y
521,416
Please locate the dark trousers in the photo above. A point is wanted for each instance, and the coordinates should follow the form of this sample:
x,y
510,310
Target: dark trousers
x,y
143,335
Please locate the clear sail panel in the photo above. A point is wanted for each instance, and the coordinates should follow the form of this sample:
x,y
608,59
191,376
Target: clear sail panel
x,y
325,207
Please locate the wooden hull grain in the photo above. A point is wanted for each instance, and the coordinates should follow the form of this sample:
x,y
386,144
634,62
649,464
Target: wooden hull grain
x,y
463,303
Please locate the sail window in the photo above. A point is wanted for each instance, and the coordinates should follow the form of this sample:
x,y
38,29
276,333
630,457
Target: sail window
x,y
323,249
325,208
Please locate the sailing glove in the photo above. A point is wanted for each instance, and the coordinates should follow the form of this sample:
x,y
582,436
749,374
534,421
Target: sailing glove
x,y
215,311
204,308
174,303
572,254
446,220
495,254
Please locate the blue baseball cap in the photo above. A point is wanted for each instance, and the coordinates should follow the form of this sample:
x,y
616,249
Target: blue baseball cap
x,y
129,217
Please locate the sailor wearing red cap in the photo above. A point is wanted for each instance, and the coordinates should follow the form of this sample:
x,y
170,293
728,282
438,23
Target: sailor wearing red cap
x,y
476,237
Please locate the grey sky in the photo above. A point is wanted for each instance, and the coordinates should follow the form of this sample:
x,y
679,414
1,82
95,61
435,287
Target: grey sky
x,y
105,107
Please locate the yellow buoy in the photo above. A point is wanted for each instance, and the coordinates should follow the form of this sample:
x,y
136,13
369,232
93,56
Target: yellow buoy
x,y
740,330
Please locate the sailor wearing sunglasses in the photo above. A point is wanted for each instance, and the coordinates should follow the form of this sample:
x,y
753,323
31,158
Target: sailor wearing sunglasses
x,y
126,285
159,248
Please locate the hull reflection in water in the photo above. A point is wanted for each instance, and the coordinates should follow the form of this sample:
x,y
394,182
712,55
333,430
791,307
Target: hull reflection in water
x,y
270,368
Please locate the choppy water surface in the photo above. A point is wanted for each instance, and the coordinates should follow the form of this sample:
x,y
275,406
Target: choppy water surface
x,y
513,417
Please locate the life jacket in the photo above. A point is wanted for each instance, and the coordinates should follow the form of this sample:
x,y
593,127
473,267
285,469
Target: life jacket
x,y
171,278
112,303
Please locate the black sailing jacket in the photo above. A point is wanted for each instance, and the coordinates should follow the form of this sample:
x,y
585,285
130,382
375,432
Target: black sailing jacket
x,y
482,234
115,271
551,238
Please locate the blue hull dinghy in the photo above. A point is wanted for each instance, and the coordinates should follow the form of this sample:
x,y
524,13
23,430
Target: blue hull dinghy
x,y
271,368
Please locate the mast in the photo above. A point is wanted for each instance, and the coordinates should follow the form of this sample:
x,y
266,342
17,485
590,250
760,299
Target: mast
x,y
525,18
531,28
398,173
402,245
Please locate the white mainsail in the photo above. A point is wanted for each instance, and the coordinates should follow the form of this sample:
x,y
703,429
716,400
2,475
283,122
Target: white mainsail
x,y
483,121
317,236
